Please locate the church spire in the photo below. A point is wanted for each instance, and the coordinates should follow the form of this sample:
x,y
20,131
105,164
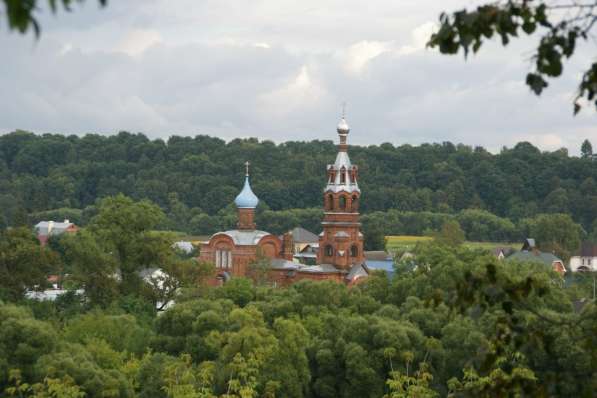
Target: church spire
x,y
343,130
342,175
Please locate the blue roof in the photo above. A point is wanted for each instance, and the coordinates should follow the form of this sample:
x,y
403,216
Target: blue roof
x,y
246,199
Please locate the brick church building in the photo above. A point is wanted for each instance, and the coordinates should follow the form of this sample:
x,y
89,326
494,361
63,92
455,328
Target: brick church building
x,y
340,256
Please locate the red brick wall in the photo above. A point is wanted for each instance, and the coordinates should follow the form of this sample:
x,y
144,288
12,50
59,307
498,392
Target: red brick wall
x,y
242,255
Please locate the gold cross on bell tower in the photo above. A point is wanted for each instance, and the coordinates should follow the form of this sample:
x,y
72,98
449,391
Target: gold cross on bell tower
x,y
247,164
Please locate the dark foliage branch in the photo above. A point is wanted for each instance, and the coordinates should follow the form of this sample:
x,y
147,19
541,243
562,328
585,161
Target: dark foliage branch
x,y
561,23
20,14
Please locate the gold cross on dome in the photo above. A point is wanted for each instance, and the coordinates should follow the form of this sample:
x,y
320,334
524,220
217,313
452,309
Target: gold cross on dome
x,y
247,168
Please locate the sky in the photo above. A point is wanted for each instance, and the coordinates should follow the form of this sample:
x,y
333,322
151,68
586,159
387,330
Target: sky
x,y
280,70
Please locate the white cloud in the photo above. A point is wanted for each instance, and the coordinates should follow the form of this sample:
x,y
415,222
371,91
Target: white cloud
x,y
138,40
419,38
299,95
359,54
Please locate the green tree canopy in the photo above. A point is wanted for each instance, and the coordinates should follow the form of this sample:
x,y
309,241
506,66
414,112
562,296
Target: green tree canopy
x,y
24,264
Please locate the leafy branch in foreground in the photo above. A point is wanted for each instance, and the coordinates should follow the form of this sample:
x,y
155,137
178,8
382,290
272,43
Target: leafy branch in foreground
x,y
20,13
562,24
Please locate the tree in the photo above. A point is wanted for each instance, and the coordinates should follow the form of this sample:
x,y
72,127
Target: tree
x,y
185,380
406,386
557,233
374,237
92,268
586,150
24,264
50,388
20,13
178,274
451,234
559,34
239,290
125,230
260,267
23,340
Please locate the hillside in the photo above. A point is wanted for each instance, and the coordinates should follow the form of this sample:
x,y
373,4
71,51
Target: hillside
x,y
197,177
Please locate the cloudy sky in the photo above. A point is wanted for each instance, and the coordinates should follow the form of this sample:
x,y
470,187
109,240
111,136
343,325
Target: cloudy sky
x,y
279,70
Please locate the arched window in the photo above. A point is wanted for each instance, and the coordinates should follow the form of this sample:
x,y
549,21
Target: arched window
x,y
343,176
331,202
355,202
354,251
342,202
329,250
223,259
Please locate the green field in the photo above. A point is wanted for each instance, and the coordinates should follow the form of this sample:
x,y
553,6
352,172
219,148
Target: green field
x,y
408,242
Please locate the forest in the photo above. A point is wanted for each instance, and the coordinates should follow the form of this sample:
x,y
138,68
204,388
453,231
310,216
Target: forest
x,y
195,179
462,324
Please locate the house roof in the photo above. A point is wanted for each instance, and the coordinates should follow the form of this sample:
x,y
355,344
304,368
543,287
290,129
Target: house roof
x,y
280,263
52,227
357,271
311,248
378,255
301,235
505,250
534,256
185,246
529,244
587,249
321,268
245,238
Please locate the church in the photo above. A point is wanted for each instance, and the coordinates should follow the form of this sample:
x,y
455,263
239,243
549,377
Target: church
x,y
340,254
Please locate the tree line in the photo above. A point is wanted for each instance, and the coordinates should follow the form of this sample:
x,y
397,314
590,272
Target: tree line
x,y
195,179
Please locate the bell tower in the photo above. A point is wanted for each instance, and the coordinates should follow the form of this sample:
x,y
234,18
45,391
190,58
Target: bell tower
x,y
341,242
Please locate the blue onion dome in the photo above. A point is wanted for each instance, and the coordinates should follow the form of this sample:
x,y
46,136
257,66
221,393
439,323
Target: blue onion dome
x,y
246,199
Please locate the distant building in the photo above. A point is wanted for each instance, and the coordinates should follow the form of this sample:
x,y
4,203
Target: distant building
x,y
338,250
50,294
530,253
308,255
46,229
585,259
380,260
184,246
502,252
302,238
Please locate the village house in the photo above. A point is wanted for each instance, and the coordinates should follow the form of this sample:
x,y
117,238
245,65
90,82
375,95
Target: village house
x,y
339,248
47,229
306,245
585,259
530,253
